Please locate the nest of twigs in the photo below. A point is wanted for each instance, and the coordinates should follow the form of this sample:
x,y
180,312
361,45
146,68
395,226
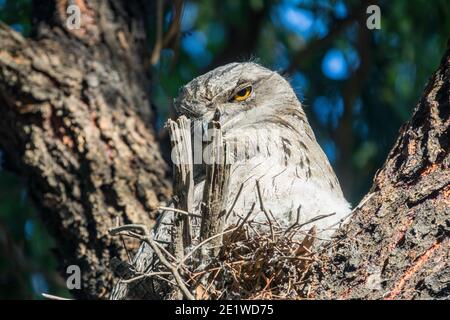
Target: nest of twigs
x,y
253,265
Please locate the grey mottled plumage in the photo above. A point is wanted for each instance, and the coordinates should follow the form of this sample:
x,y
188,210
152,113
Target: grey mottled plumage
x,y
281,151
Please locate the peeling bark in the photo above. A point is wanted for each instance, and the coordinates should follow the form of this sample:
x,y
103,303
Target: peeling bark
x,y
77,125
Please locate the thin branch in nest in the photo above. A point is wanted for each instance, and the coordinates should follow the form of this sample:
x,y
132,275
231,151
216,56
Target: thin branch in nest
x,y
243,221
314,236
145,275
183,260
212,281
296,258
263,209
235,201
163,242
180,211
297,220
359,206
319,217
126,249
254,229
166,280
165,251
274,219
117,222
147,238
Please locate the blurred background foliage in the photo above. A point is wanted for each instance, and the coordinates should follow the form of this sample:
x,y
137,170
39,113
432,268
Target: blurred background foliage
x,y
357,86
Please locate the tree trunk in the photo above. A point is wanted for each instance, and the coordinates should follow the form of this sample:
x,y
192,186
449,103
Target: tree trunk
x,y
77,125
396,245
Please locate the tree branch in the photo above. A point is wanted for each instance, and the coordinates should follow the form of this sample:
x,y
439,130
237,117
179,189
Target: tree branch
x,y
76,124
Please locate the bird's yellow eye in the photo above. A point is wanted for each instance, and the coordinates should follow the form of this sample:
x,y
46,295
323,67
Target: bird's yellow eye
x,y
242,94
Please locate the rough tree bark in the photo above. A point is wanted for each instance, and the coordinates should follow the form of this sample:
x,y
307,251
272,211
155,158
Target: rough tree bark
x,y
76,123
396,245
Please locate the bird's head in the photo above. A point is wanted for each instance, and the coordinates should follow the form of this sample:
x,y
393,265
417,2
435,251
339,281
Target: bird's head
x,y
246,94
